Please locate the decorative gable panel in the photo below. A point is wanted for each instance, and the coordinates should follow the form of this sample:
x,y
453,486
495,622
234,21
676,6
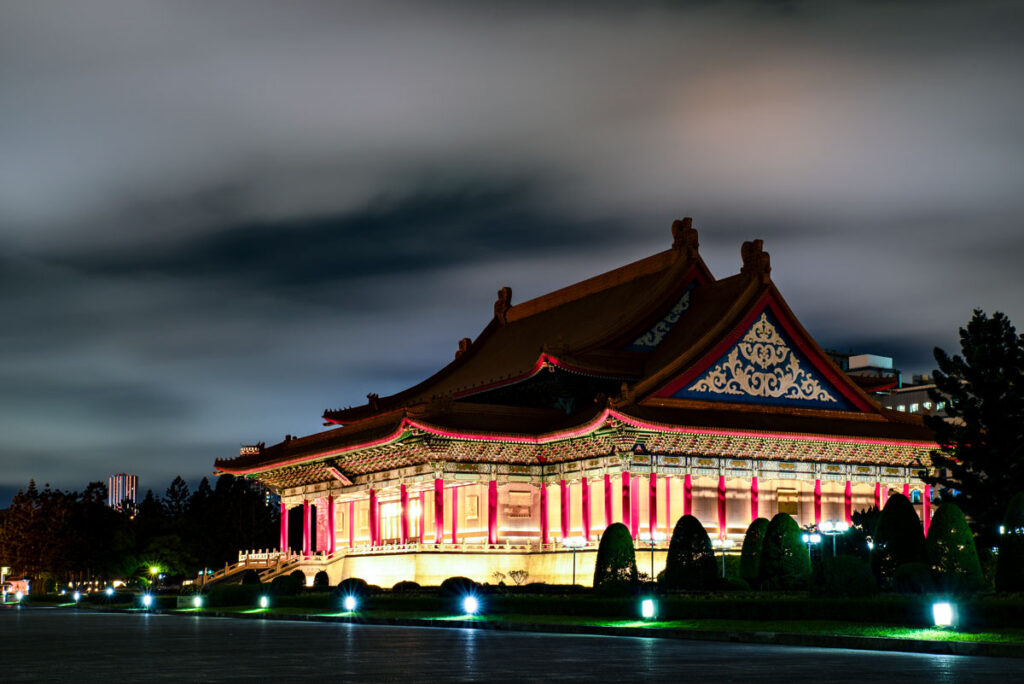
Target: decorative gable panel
x,y
765,367
653,336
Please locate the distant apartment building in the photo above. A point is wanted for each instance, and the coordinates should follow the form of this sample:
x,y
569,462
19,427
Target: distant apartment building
x,y
121,491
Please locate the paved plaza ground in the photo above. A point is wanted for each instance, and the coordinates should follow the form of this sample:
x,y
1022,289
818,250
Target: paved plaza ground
x,y
62,645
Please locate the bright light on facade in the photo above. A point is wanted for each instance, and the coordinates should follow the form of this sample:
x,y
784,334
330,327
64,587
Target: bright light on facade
x,y
350,603
19,595
109,591
197,601
648,608
470,605
76,597
943,614
147,600
264,602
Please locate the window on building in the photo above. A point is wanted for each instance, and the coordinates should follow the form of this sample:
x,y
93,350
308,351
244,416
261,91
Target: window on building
x,y
915,496
927,406
901,407
519,504
472,507
391,521
789,501
941,406
913,408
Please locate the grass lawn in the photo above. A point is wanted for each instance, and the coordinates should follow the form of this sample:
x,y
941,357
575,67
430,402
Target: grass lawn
x,y
830,627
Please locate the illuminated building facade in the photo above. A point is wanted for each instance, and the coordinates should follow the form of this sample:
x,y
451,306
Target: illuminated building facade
x,y
121,489
637,396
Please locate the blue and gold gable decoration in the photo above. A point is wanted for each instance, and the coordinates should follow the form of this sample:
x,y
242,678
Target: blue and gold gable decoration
x,y
653,336
765,367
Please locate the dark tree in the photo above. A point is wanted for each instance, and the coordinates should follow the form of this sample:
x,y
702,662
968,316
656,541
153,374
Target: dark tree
x,y
1010,570
951,552
899,538
615,568
980,464
750,556
176,500
785,561
691,560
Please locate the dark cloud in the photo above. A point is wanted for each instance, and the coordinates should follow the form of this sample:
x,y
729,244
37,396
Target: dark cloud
x,y
216,221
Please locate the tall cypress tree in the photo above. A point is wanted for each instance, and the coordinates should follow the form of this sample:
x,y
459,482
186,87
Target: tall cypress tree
x,y
951,552
980,464
615,568
750,556
691,560
899,538
1010,571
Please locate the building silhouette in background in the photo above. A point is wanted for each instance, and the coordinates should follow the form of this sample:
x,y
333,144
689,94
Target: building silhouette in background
x,y
121,490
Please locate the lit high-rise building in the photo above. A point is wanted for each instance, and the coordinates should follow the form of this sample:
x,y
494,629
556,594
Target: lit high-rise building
x,y
120,489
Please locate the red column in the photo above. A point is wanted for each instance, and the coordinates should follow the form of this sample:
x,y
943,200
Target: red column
x,y
609,507
721,507
906,489
878,495
753,499
305,528
585,512
423,514
403,523
492,512
652,513
885,495
331,543
687,495
374,532
351,523
926,508
668,506
634,507
848,503
438,510
564,509
543,513
455,515
284,528
817,502
626,507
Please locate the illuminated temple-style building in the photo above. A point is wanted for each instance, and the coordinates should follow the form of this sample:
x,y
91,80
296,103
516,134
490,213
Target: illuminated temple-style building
x,y
636,396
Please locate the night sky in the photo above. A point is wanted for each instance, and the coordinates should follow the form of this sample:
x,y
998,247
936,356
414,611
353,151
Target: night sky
x,y
219,219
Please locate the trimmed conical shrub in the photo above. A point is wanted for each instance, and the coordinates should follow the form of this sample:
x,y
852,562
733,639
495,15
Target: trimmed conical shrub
x,y
951,552
750,556
898,539
615,568
691,560
785,561
1010,568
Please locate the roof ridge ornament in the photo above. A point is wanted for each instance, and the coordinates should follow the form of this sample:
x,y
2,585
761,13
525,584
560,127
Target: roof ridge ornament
x,y
684,237
756,261
463,346
374,400
503,304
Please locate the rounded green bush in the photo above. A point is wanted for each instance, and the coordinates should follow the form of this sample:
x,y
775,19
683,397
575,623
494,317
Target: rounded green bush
x,y
899,539
615,568
750,555
405,587
1010,564
951,552
913,578
286,585
785,562
691,560
847,576
457,587
353,586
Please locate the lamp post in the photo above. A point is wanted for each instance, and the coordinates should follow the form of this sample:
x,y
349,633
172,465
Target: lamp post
x,y
833,529
722,544
574,543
